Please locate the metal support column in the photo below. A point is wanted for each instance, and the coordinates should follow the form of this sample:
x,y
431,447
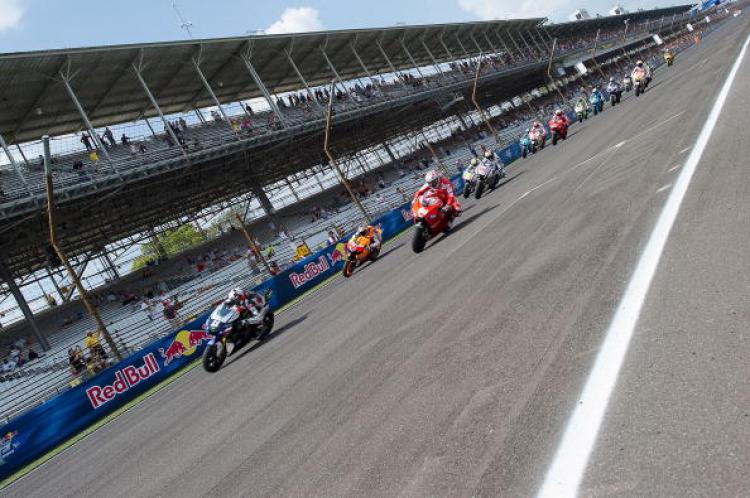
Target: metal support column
x,y
94,136
476,43
259,83
301,78
265,202
291,188
506,49
411,59
110,263
15,165
23,305
333,69
148,123
212,94
514,42
150,96
200,116
432,58
541,38
23,156
390,64
526,44
363,65
460,44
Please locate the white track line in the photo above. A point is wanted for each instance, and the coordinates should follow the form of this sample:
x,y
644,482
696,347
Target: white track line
x,y
566,472
676,166
665,187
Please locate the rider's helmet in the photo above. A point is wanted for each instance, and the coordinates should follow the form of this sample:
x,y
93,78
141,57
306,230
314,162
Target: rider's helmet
x,y
488,154
362,231
595,89
474,161
558,112
432,178
537,124
528,130
612,79
235,296
639,63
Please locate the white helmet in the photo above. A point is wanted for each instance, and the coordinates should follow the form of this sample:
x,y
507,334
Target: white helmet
x,y
639,63
432,178
474,161
235,295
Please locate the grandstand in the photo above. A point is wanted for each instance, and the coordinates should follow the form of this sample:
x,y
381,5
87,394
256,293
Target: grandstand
x,y
395,87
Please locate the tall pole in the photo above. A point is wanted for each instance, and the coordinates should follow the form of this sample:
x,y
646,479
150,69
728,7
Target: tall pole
x,y
100,327
154,103
211,94
476,103
335,164
251,241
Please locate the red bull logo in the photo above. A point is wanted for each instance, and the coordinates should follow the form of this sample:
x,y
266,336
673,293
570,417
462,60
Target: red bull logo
x,y
125,379
338,255
184,344
312,271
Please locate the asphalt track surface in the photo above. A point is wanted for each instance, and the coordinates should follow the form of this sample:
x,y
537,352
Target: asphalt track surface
x,y
453,372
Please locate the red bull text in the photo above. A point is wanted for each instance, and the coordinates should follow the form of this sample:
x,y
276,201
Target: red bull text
x,y
125,379
312,271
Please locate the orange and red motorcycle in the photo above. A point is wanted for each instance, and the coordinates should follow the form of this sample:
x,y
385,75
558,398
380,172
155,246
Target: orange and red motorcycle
x,y
359,251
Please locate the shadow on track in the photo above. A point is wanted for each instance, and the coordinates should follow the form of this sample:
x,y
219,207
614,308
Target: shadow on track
x,y
273,335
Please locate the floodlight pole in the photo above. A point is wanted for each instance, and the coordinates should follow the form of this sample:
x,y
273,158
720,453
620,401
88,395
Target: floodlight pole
x,y
476,103
101,328
251,241
332,160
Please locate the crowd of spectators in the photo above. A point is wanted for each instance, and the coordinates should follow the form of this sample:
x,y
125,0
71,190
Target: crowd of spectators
x,y
18,354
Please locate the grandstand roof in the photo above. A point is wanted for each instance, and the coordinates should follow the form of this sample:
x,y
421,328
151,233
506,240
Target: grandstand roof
x,y
35,101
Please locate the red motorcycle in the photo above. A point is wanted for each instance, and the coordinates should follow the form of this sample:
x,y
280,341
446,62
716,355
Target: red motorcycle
x,y
431,218
559,130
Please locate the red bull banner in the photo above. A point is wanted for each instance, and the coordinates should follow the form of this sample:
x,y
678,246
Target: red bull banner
x,y
43,428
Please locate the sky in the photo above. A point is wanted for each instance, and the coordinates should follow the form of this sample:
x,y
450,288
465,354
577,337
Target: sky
x,y
52,24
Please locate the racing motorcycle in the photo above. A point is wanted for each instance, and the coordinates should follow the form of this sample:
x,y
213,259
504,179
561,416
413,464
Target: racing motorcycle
x,y
229,333
596,103
640,84
431,218
559,130
359,252
627,83
485,175
582,111
538,138
527,146
468,177
615,94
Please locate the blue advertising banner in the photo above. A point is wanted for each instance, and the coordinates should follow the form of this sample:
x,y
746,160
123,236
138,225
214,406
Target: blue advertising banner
x,y
43,428
40,430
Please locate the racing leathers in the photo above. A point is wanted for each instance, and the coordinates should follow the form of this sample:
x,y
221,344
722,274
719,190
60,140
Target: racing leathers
x,y
444,191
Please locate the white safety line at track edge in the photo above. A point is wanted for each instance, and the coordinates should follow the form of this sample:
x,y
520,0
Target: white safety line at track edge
x,y
568,466
676,166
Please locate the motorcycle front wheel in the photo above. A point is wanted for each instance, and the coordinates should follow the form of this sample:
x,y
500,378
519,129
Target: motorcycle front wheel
x,y
467,192
348,270
554,139
268,322
212,359
419,239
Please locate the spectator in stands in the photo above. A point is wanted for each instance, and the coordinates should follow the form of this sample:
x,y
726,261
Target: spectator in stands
x,y
274,267
332,237
76,360
148,308
110,137
86,141
91,342
124,139
7,367
51,301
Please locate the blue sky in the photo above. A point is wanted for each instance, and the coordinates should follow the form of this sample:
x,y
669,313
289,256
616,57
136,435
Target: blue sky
x,y
44,24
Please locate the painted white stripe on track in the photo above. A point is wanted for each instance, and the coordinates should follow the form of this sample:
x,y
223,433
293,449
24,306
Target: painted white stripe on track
x,y
568,466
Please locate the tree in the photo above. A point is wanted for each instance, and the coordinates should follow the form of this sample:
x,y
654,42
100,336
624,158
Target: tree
x,y
173,241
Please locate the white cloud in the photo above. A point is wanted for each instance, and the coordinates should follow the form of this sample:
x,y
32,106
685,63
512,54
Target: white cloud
x,y
296,20
519,9
11,12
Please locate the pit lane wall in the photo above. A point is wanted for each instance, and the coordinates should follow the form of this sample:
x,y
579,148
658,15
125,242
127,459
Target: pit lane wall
x,y
40,430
